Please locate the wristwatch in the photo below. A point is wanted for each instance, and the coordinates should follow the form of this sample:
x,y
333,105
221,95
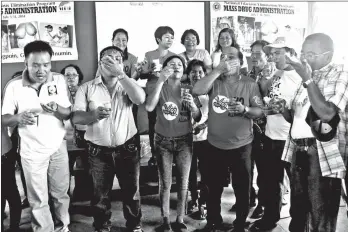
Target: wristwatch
x,y
306,83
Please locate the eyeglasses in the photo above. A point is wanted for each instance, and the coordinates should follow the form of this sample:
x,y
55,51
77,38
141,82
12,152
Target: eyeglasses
x,y
71,75
310,56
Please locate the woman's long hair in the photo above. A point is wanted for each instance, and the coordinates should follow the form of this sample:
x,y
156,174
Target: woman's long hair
x,y
234,42
121,30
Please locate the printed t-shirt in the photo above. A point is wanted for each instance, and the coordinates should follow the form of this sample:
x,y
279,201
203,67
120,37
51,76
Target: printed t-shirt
x,y
170,122
284,86
227,132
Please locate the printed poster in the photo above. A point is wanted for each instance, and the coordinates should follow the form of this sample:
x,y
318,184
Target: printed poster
x,y
24,22
253,21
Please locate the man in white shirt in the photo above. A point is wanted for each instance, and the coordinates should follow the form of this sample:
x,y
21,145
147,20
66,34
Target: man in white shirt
x,y
104,104
284,83
38,103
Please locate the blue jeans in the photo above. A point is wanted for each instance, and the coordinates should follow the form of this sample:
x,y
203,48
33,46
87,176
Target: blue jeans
x,y
216,164
168,148
314,199
124,161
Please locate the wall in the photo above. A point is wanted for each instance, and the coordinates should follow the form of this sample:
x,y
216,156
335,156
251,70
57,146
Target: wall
x,y
86,40
86,45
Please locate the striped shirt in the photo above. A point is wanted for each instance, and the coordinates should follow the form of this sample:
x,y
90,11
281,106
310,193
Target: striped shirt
x,y
333,155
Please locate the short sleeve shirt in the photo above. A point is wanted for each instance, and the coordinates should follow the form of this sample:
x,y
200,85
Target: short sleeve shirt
x,y
200,54
129,64
119,126
150,57
46,136
173,119
227,132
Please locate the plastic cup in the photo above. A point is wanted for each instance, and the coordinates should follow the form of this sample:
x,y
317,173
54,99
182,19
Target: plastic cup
x,y
158,66
232,101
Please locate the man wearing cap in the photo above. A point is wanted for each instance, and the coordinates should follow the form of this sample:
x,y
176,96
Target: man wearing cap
x,y
234,100
284,83
316,156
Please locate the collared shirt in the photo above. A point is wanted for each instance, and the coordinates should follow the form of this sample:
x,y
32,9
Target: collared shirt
x,y
119,126
333,84
46,136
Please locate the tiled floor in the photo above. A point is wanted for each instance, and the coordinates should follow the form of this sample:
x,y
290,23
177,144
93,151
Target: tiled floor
x,y
82,222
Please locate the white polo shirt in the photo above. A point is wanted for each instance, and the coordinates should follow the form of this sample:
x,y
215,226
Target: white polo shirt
x,y
47,135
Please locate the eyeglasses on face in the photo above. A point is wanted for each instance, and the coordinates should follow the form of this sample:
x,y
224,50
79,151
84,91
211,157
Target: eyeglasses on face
x,y
71,75
310,56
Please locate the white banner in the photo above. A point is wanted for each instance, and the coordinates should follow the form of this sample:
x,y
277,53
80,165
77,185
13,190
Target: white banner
x,y
141,19
24,22
252,21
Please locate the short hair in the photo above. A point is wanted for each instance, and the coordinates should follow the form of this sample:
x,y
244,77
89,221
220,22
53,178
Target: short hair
x,y
165,63
121,30
194,63
102,52
190,31
261,42
160,31
37,46
234,41
78,70
326,43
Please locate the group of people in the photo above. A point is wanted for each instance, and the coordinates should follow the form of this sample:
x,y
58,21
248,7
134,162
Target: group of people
x,y
206,113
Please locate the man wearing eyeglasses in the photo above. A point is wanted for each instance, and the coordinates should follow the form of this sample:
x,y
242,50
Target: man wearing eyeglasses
x,y
316,166
105,106
234,101
282,87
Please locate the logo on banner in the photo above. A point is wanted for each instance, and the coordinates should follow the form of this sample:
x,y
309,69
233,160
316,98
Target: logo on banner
x,y
220,104
65,6
216,6
170,110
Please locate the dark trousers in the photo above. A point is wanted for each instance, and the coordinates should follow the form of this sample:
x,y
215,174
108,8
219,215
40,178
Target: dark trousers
x,y
196,166
272,174
124,161
257,155
152,117
216,165
83,180
9,190
314,199
22,175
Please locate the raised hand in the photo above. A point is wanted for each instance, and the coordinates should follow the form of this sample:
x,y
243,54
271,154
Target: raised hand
x,y
166,73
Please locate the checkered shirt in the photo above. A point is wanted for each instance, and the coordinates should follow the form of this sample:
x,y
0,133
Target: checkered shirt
x,y
332,82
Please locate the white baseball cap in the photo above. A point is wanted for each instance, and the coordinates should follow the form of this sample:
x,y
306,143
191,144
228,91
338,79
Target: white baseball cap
x,y
280,42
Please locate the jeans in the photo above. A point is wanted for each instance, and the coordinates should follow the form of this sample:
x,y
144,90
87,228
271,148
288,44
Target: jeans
x,y
272,175
9,191
314,199
167,149
152,117
196,165
83,182
47,176
124,161
216,165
